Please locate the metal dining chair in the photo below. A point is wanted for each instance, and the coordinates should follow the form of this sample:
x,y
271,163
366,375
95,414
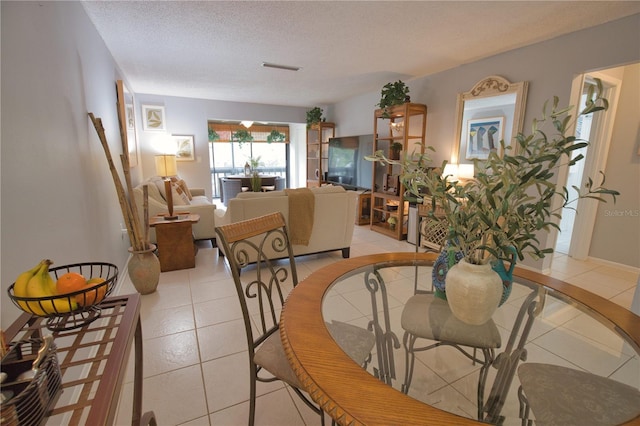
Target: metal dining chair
x,y
428,317
280,183
261,250
230,188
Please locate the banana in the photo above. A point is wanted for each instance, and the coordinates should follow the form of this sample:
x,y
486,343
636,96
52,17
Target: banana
x,y
20,286
40,286
35,289
60,305
36,286
20,289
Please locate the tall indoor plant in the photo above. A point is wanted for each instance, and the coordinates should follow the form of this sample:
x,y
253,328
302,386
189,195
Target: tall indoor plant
x,y
512,197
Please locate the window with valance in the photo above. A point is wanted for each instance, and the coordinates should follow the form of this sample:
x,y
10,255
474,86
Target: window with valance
x,y
225,132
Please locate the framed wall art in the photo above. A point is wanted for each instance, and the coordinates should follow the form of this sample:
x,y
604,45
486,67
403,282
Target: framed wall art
x,y
483,136
153,118
184,147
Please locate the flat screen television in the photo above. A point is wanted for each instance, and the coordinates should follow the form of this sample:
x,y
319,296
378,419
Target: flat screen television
x,y
347,166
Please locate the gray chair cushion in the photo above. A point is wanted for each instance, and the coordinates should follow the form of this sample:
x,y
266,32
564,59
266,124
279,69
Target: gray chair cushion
x,y
564,396
270,356
429,317
355,341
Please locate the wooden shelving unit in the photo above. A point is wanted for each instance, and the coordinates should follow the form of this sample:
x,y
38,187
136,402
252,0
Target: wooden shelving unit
x,y
363,209
409,124
318,136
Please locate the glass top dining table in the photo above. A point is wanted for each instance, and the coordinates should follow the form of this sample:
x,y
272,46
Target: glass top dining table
x,y
412,377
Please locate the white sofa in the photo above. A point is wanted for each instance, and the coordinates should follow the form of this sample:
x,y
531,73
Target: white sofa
x,y
333,221
199,204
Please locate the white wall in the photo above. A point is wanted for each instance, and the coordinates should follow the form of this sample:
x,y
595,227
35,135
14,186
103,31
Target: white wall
x,y
616,235
190,116
549,67
58,199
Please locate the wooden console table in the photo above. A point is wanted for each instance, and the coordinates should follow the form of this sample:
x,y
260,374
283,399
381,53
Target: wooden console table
x,y
176,248
93,361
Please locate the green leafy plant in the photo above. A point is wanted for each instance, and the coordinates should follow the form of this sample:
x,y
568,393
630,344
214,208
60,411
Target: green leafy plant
x,y
396,147
314,116
256,180
513,196
241,136
255,163
276,136
213,135
393,94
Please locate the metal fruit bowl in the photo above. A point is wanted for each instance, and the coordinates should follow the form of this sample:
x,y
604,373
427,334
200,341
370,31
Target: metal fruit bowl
x,y
71,310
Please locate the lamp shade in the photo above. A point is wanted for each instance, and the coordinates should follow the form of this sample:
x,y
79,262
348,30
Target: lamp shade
x,y
458,171
466,171
450,170
166,165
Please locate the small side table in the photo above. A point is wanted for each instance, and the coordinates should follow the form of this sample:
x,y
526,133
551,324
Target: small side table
x,y
176,248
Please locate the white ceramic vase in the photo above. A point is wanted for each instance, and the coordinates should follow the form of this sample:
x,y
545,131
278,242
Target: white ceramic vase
x,y
473,292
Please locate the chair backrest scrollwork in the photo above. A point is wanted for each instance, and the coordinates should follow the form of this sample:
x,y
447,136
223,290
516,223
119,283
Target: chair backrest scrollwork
x,y
262,280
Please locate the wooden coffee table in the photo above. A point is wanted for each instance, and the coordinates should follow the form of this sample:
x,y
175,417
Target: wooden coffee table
x,y
176,249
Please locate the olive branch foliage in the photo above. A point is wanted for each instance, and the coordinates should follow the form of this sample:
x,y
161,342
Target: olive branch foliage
x,y
512,197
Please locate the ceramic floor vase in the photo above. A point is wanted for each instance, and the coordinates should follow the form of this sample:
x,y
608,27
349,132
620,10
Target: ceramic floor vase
x,y
144,270
473,292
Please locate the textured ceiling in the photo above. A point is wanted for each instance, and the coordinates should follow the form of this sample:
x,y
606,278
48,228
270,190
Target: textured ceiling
x,y
214,49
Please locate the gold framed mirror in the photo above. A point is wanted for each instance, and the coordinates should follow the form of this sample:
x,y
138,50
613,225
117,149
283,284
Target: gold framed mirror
x,y
491,111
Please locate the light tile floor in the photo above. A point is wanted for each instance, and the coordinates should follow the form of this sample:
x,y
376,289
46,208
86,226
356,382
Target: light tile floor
x,y
195,358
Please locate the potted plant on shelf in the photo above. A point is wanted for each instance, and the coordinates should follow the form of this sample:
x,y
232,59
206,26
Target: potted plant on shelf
x,y
396,147
393,94
498,214
314,116
392,221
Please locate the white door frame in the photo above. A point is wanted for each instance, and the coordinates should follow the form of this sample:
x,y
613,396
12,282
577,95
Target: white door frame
x,y
595,161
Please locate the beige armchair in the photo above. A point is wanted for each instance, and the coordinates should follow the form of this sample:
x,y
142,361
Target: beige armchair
x,y
199,204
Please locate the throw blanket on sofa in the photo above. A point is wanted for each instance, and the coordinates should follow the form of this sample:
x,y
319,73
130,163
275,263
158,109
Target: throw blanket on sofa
x,y
301,209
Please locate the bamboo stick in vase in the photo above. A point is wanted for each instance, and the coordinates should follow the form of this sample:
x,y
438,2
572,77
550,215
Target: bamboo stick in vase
x,y
122,199
145,192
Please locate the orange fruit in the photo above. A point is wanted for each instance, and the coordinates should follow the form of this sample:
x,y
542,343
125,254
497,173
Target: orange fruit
x,y
70,282
95,290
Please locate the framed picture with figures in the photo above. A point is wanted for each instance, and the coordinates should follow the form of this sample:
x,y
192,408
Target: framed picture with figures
x,y
483,136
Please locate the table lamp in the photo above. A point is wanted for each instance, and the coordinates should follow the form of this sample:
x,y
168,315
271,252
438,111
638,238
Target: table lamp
x,y
166,166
